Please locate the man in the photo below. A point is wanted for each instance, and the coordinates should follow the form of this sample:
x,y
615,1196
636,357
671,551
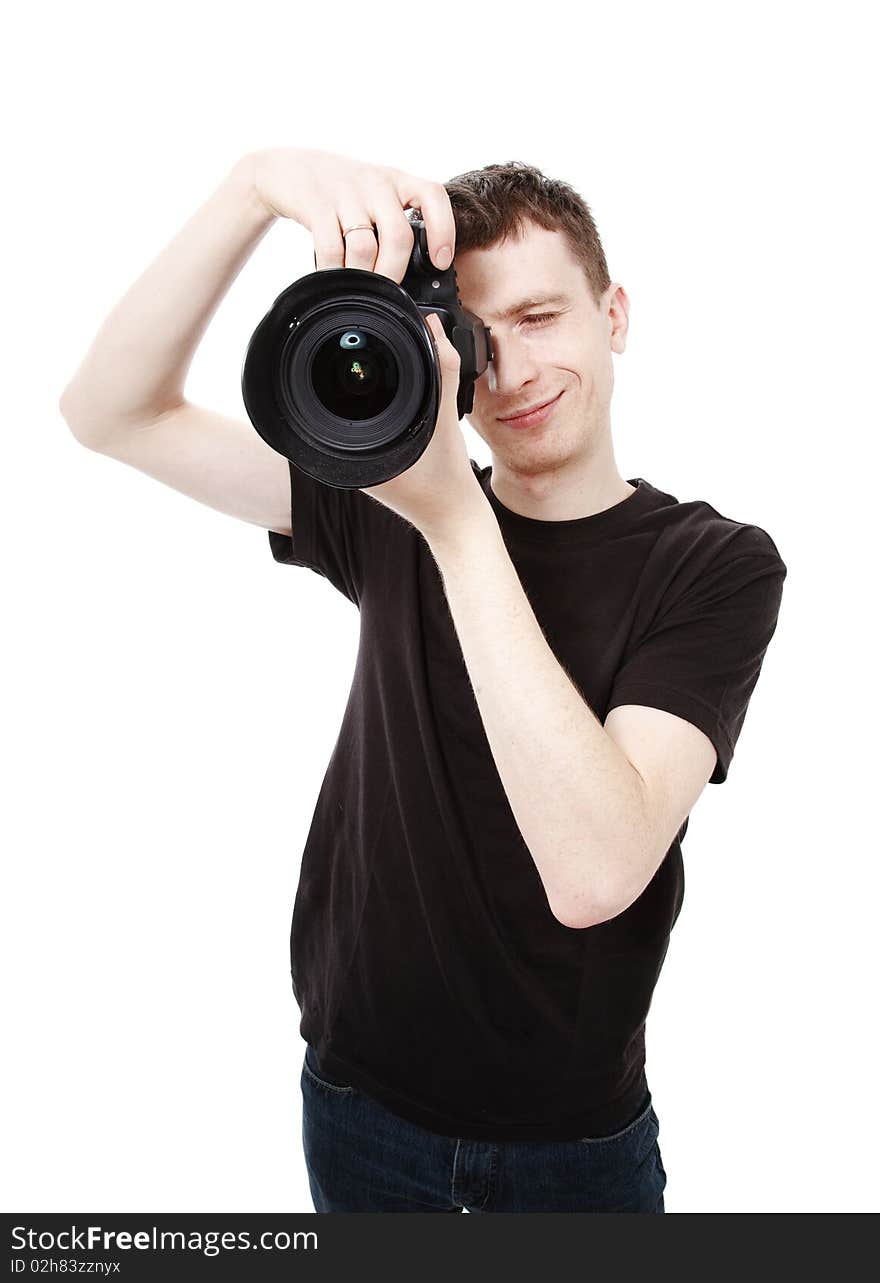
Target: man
x,y
554,661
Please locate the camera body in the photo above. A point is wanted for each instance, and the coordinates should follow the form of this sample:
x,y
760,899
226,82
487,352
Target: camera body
x,y
342,376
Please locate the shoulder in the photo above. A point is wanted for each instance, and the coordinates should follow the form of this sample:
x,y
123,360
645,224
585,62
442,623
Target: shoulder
x,y
695,532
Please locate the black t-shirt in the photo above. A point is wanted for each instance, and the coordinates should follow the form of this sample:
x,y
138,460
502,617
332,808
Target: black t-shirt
x,y
428,967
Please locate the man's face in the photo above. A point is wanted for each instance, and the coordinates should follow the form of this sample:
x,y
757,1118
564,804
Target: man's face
x,y
563,345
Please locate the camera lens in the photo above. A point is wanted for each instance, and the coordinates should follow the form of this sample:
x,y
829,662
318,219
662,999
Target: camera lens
x,y
341,376
354,374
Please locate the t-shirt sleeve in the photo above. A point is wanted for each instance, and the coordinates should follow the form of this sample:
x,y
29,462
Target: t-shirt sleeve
x,y
333,532
701,657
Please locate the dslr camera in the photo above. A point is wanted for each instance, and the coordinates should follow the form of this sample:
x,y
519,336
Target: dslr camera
x,y
342,376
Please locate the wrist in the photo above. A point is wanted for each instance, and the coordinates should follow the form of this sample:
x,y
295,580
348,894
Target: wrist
x,y
471,531
244,177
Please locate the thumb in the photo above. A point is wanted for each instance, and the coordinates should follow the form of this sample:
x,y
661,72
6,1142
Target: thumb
x,y
446,353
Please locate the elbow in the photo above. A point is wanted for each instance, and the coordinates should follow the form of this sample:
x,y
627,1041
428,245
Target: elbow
x,y
579,915
66,404
588,893
83,427
69,415
587,907
573,922
577,911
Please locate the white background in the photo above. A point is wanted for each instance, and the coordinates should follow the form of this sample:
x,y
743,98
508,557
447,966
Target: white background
x,y
172,695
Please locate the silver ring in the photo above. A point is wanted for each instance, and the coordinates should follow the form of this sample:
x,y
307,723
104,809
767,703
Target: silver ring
x,y
366,226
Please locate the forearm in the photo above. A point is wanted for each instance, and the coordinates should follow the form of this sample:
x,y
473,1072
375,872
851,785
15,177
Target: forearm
x,y
577,800
137,364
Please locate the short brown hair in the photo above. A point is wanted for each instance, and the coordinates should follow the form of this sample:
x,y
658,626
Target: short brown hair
x,y
494,202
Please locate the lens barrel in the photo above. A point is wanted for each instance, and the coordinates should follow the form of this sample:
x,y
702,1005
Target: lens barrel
x,y
342,378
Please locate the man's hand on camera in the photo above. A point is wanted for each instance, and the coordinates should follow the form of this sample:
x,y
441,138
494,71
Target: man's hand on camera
x,y
439,493
331,194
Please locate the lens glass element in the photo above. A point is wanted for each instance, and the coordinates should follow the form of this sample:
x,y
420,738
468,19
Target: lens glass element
x,y
354,374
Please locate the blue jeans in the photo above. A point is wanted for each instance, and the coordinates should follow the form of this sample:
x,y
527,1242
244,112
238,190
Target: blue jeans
x,y
360,1157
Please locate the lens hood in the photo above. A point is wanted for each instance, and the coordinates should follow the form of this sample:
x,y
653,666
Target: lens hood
x,y
342,377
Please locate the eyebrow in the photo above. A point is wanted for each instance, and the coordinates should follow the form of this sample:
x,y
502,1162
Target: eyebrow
x,y
525,304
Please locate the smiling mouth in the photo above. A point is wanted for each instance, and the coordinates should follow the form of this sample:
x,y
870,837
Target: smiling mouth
x,y
525,414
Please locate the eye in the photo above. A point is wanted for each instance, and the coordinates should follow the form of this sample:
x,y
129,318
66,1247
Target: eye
x,y
541,318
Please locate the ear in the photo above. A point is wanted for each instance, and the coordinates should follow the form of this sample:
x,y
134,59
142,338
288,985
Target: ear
x,y
618,316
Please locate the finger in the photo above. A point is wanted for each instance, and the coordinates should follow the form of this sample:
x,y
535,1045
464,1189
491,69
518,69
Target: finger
x,y
361,246
395,239
327,235
433,200
449,356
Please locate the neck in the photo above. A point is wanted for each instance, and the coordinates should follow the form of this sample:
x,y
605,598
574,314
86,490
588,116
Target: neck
x,y
560,491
